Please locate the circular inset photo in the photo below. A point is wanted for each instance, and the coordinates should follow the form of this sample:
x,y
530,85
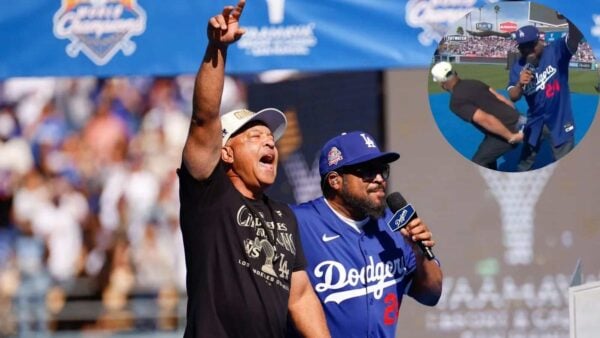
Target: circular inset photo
x,y
513,86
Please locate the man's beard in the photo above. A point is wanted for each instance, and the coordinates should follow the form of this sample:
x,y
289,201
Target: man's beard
x,y
364,205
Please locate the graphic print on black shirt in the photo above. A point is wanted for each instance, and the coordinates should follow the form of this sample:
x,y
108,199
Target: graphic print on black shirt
x,y
269,236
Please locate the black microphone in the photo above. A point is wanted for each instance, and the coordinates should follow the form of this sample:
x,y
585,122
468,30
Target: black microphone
x,y
404,213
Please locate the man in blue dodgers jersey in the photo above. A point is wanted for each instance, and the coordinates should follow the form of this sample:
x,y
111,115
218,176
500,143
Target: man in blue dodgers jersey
x,y
542,75
358,267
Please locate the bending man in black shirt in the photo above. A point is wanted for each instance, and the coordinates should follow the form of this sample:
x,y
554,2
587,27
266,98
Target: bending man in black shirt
x,y
245,265
491,113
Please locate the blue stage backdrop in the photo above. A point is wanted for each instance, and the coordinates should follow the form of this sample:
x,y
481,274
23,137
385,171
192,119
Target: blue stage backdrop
x,y
140,37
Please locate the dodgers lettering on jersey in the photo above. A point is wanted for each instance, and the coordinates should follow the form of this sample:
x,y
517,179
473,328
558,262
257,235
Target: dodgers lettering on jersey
x,y
541,79
376,276
548,96
360,278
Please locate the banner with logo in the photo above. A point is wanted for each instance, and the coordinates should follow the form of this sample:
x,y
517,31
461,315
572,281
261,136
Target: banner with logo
x,y
138,37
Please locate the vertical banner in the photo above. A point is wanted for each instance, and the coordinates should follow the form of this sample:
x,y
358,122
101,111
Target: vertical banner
x,y
317,108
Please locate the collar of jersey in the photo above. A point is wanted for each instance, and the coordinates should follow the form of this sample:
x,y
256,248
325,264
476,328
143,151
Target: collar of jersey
x,y
356,225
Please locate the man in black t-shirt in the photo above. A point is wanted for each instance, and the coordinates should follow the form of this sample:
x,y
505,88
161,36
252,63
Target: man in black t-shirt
x,y
491,113
245,265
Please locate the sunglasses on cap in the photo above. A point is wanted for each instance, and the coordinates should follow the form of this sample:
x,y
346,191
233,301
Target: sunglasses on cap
x,y
368,172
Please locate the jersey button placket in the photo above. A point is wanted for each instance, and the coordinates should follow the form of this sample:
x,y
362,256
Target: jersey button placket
x,y
370,299
362,246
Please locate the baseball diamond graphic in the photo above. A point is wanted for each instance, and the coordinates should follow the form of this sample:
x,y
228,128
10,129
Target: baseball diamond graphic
x,y
100,28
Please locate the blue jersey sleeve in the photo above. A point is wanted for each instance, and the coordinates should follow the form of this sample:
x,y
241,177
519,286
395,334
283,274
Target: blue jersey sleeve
x,y
513,76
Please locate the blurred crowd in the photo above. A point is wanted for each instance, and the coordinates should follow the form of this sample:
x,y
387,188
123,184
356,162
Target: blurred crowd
x,y
499,47
89,205
493,46
584,53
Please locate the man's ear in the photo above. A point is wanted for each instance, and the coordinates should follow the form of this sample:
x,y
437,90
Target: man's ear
x,y
334,180
227,154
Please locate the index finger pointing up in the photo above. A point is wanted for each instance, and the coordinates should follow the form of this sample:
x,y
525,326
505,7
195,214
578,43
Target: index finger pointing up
x,y
237,12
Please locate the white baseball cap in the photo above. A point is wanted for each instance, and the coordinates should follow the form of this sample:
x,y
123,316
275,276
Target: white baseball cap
x,y
442,71
234,120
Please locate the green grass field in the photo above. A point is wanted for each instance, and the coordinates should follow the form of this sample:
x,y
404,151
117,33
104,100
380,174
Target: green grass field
x,y
496,76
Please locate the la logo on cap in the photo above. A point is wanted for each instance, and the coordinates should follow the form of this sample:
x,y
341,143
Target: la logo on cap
x,y
368,141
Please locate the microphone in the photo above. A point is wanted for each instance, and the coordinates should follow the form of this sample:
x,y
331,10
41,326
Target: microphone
x,y
404,213
531,63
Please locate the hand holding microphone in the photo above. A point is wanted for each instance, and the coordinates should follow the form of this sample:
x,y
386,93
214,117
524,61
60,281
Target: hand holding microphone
x,y
406,221
528,73
525,77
